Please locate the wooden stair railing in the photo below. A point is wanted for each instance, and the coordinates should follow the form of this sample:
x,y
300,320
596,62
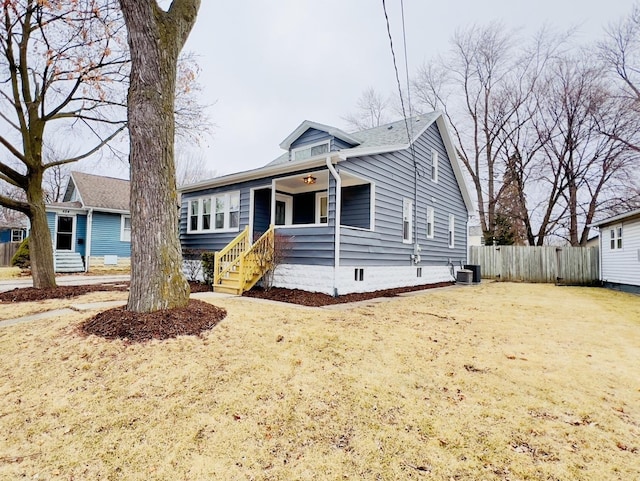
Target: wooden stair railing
x,y
257,260
240,265
227,260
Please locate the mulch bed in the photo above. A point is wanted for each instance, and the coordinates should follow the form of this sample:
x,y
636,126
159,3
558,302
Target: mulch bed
x,y
30,294
194,319
317,299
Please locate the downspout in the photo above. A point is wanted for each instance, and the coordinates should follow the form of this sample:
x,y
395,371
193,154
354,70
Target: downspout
x,y
87,250
336,239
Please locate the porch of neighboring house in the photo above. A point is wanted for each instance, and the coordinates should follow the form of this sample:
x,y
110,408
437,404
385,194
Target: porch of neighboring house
x,y
301,209
69,242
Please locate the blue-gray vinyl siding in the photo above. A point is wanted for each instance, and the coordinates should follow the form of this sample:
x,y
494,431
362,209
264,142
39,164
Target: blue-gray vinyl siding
x,y
310,245
262,211
51,222
356,206
105,236
81,234
311,136
393,176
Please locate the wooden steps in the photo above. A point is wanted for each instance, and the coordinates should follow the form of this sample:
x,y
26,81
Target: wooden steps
x,y
240,265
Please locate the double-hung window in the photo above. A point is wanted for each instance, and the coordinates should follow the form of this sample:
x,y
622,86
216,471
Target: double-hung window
x,y
430,222
194,210
322,208
407,221
221,209
125,228
616,237
217,212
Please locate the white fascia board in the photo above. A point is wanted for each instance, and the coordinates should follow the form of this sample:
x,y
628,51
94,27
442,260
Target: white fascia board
x,y
75,186
616,218
455,163
57,209
362,152
108,211
260,173
448,143
308,124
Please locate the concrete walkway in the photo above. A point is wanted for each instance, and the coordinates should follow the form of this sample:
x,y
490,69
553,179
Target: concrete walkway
x,y
71,280
96,306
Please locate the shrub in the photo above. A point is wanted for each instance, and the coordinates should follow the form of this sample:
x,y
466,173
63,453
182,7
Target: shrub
x,y
21,257
208,265
192,266
269,260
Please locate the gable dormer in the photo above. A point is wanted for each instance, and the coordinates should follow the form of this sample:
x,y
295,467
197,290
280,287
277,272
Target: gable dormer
x,y
71,192
311,139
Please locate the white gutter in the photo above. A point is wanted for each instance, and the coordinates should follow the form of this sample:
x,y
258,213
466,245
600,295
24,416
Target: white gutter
x,y
336,254
87,249
254,174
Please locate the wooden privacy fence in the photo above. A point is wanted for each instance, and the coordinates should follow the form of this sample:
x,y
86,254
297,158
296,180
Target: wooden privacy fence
x,y
6,252
562,265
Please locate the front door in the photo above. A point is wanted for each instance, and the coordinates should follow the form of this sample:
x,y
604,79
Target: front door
x,y
284,210
64,233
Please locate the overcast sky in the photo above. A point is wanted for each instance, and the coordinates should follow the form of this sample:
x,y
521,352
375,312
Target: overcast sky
x,y
269,65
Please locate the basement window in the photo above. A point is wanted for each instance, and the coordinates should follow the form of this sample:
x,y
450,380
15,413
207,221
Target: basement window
x,y
359,275
419,272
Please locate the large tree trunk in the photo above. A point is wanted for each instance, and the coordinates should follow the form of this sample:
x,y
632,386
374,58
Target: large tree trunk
x,y
155,40
40,248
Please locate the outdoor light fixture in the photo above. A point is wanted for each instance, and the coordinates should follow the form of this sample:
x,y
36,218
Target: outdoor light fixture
x,y
309,179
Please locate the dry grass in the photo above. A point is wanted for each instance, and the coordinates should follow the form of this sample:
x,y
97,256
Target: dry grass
x,y
494,382
9,272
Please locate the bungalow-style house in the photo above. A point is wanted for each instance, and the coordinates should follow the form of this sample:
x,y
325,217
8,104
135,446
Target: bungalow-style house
x,y
381,208
620,251
91,227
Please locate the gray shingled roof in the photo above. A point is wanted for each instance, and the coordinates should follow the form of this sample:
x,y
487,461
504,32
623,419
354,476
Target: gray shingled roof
x,y
392,134
100,192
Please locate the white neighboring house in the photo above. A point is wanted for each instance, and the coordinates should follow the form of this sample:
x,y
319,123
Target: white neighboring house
x,y
620,251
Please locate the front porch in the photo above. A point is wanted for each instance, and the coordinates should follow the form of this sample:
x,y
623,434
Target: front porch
x,y
311,199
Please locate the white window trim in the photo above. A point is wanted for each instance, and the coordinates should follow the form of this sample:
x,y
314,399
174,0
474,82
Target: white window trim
x,y
309,147
73,230
407,202
451,234
122,229
616,238
21,231
435,167
431,218
319,197
227,212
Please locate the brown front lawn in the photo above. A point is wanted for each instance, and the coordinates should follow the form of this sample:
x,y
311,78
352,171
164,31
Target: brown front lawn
x,y
495,382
